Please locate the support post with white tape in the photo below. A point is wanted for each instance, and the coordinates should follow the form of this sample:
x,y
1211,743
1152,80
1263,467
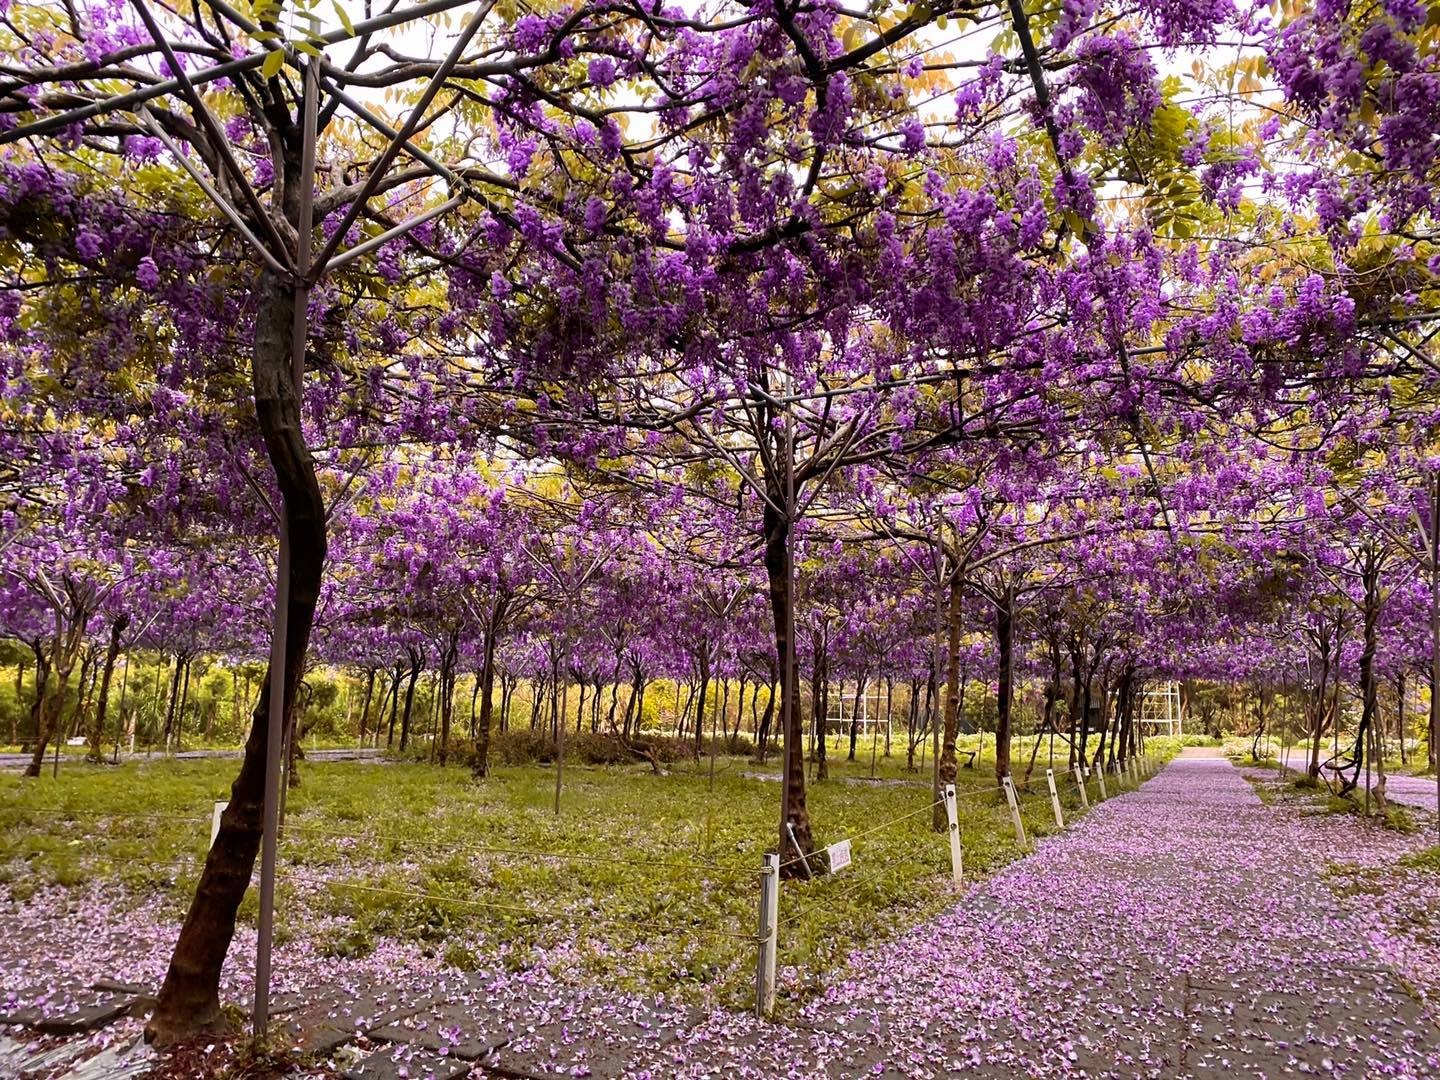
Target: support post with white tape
x,y
957,856
1014,802
1054,798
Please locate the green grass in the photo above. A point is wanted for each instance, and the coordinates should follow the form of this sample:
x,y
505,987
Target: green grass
x,y
1321,799
1428,859
658,890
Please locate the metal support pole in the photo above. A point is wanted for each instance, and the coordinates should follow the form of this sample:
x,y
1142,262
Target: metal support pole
x,y
788,682
417,113
1054,798
275,733
1435,633
769,932
127,101
957,855
274,743
367,246
1014,802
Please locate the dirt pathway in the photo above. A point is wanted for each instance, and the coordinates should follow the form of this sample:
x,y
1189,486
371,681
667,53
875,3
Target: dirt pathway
x,y
1184,930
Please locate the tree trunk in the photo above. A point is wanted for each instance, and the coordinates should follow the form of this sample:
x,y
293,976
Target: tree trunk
x,y
409,700
912,717
189,998
796,814
1077,751
97,729
168,735
507,695
1005,639
1400,716
1369,692
855,713
50,692
820,708
734,736
480,767
395,678
700,701
365,708
42,676
448,668
763,727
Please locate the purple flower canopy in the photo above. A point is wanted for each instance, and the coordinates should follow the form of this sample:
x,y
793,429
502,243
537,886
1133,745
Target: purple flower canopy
x,y
685,342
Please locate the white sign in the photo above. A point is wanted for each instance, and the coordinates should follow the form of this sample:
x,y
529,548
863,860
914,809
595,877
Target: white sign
x,y
839,855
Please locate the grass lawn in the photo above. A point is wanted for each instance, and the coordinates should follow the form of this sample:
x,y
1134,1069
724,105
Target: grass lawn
x,y
649,882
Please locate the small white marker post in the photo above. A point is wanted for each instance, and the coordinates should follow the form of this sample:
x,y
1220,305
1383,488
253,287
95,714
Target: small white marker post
x,y
1009,786
1084,795
1100,779
215,821
769,927
1054,798
957,856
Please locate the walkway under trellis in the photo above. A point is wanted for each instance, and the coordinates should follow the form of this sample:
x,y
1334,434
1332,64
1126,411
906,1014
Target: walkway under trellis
x,y
1183,930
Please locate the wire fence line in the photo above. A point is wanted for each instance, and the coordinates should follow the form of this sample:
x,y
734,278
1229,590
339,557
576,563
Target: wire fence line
x,y
1024,795
98,815
733,870
550,917
807,898
794,859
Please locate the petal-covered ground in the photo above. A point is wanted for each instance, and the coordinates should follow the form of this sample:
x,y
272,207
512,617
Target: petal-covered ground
x,y
1183,930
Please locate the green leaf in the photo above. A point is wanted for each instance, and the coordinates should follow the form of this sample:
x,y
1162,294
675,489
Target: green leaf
x,y
344,18
274,61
